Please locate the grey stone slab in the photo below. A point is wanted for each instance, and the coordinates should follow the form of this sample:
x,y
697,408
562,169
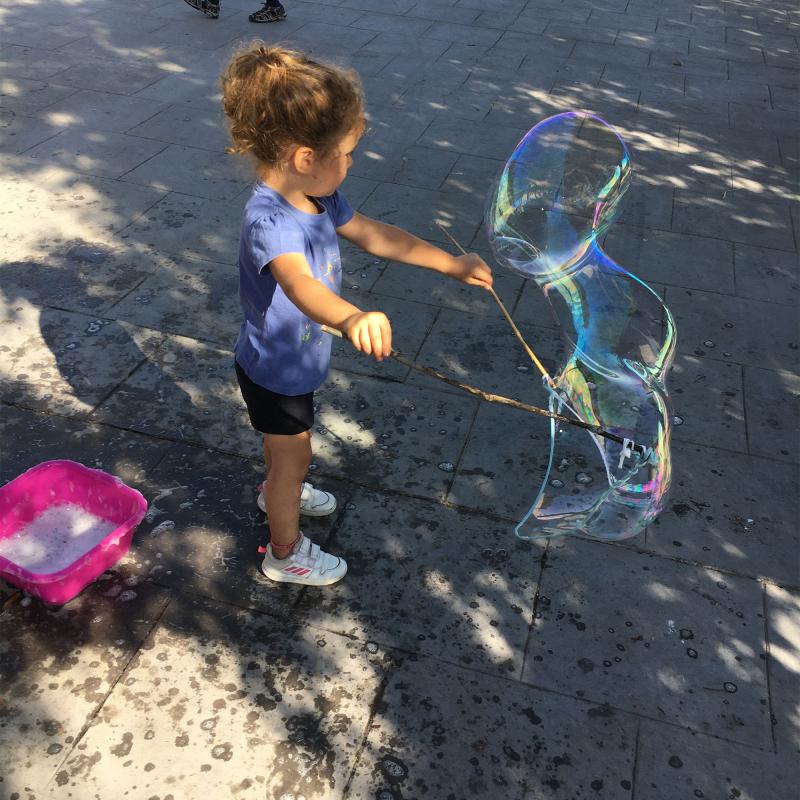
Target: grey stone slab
x,y
427,286
747,220
385,6
31,438
444,12
99,110
65,362
57,667
676,643
189,170
182,86
692,64
673,764
504,462
192,298
780,122
769,275
674,259
108,75
534,308
36,34
479,139
661,41
397,43
619,76
25,96
453,32
721,144
104,155
785,98
706,88
680,110
257,706
20,133
194,125
389,124
392,24
730,51
423,167
475,611
410,323
790,152
635,21
488,355
772,400
774,76
783,628
385,434
419,210
462,734
612,54
731,511
722,327
78,277
707,398
357,190
474,175
601,33
648,206
183,225
33,63
186,391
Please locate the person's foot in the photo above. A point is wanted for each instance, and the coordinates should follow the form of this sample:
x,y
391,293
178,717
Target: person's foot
x,y
208,7
313,502
307,564
268,14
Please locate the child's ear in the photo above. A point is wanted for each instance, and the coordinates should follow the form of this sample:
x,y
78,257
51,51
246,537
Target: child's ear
x,y
302,160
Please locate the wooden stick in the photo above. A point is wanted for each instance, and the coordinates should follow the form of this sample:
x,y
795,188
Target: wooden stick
x,y
491,398
510,321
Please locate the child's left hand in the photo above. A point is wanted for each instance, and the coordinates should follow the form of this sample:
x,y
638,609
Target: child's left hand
x,y
470,268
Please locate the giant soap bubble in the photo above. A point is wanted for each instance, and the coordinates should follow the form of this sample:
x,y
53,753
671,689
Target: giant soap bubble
x,y
558,193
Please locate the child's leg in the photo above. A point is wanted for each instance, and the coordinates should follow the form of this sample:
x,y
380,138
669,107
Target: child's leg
x,y
287,458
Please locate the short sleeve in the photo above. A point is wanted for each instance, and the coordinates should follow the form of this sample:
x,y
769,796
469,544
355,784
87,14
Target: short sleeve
x,y
273,235
339,210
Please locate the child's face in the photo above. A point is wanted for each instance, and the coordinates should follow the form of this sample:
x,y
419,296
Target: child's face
x,y
332,170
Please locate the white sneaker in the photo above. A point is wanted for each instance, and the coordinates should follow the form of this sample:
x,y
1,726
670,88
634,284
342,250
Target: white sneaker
x,y
313,502
308,564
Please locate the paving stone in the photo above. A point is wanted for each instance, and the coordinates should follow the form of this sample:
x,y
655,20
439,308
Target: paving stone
x,y
432,288
45,205
357,190
27,96
474,611
721,327
490,738
480,139
33,437
57,667
489,356
444,12
19,133
612,54
453,32
707,401
106,155
192,171
189,298
764,274
692,64
229,690
600,33
747,118
38,34
648,206
32,63
381,433
672,258
65,362
196,124
680,644
541,45
108,75
189,226
783,627
504,462
772,400
186,391
746,220
774,76
731,511
674,764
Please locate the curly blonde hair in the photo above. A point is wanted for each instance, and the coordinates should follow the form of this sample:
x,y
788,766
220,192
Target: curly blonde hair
x,y
276,98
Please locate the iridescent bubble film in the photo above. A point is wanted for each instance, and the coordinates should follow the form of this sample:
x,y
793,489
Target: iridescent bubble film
x,y
556,197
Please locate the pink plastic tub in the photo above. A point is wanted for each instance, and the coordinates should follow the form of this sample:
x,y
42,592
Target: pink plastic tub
x,y
49,489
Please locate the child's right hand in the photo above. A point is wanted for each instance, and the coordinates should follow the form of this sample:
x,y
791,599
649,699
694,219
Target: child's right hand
x,y
369,332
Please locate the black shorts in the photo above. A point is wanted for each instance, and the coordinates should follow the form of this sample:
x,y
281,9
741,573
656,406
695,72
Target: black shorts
x,y
273,413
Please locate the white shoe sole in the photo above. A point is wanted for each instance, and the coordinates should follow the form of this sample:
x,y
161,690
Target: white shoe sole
x,y
324,511
282,577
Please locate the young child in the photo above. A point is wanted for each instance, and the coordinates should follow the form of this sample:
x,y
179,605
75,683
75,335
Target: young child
x,y
301,121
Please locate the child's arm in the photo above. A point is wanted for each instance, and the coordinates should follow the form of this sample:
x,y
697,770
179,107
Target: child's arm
x,y
369,331
395,244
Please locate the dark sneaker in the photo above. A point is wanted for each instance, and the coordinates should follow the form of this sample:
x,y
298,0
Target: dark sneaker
x,y
209,8
267,14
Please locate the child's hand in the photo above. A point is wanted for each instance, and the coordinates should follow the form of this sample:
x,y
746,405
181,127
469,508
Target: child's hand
x,y
369,332
472,269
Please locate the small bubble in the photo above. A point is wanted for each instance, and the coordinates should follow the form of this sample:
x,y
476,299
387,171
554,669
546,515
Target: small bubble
x,y
730,688
371,647
351,506
442,432
445,466
691,652
709,343
677,420
583,478
686,634
728,324
313,467
557,484
522,368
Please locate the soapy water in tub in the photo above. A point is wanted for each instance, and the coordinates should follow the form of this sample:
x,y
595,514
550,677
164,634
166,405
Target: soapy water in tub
x,y
59,536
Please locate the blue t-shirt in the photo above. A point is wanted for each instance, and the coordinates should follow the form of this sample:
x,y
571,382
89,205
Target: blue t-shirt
x,y
279,347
